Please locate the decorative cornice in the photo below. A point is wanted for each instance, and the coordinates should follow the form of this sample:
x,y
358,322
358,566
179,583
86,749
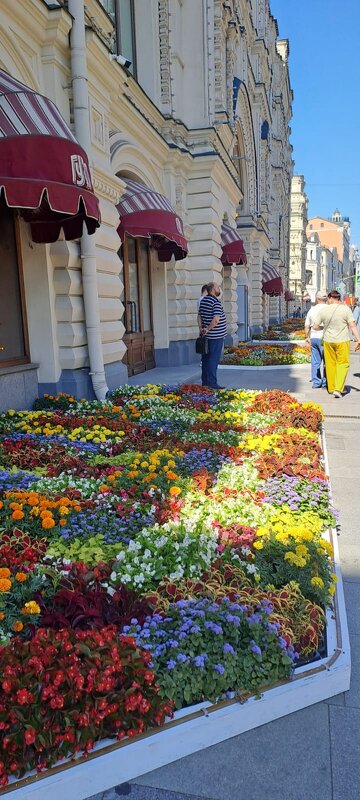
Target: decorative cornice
x,y
109,187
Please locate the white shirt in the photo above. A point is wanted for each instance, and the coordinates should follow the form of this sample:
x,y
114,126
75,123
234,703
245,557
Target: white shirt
x,y
309,321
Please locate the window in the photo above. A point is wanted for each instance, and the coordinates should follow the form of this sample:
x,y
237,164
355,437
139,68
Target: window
x,y
122,14
321,225
13,330
311,227
125,31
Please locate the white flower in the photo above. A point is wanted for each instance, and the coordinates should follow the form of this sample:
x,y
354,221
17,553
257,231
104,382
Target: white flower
x,y
113,576
111,591
120,556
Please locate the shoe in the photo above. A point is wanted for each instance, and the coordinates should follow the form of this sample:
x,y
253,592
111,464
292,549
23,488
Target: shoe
x,y
324,386
337,394
316,387
219,387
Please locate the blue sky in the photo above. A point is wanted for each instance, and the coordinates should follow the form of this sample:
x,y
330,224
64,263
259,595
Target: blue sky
x,y
325,75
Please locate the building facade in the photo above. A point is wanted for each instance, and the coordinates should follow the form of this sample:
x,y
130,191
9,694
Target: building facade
x,y
188,148
298,242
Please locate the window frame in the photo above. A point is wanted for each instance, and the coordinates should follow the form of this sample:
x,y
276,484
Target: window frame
x,y
133,34
25,359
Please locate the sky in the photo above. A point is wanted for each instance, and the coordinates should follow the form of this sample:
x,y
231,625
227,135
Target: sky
x,y
324,37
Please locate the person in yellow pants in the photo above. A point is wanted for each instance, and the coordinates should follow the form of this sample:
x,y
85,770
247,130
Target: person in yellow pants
x,y
337,360
337,321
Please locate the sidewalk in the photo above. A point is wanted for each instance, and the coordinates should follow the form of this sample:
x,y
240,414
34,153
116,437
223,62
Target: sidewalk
x,y
314,753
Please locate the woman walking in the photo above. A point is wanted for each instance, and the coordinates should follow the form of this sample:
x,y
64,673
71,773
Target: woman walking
x,y
337,321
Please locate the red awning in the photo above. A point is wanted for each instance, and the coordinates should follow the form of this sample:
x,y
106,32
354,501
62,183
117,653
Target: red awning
x,y
288,296
233,247
271,281
146,213
43,170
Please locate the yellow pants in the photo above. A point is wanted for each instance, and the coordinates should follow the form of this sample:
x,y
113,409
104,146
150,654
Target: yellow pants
x,y
337,363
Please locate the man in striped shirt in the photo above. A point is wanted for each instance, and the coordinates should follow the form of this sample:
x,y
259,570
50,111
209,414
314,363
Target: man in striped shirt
x,y
213,326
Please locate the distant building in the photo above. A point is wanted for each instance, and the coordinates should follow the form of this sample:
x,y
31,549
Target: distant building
x,y
333,232
313,266
297,250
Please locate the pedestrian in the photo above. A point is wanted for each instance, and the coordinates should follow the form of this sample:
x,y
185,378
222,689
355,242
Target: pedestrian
x,y
213,326
298,313
356,313
204,293
315,340
337,321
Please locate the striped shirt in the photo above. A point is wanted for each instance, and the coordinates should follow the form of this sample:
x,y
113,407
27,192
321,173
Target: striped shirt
x,y
211,307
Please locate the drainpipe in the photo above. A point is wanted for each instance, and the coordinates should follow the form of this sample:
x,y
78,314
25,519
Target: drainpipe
x,y
87,243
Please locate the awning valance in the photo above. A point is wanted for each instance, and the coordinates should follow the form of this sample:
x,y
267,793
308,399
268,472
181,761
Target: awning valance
x,y
146,213
43,170
233,251
271,281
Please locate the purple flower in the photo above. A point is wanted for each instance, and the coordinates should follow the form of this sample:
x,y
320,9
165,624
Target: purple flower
x,y
171,664
219,668
255,648
228,648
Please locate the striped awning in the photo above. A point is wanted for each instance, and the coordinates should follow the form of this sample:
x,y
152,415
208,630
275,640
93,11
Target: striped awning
x,y
43,170
271,281
146,213
233,251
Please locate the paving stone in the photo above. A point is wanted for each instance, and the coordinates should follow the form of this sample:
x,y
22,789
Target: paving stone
x,y
344,737
352,600
134,792
352,697
349,557
288,758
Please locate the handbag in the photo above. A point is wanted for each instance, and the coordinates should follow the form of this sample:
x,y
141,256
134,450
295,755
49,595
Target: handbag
x,y
202,346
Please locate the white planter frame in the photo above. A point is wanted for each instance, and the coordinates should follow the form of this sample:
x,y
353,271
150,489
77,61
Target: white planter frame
x,y
200,726
265,367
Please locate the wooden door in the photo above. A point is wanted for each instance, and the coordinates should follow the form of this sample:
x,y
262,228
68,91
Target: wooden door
x,y
139,336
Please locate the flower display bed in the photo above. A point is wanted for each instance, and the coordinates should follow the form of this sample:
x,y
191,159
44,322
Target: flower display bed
x,y
161,554
289,330
262,355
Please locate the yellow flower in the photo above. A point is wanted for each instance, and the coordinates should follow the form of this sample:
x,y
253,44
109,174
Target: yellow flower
x,y
175,490
332,589
317,582
31,607
333,577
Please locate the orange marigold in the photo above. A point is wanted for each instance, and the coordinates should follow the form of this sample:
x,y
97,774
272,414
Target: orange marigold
x,y
62,522
17,514
4,572
5,584
48,522
175,490
2,615
1,503
21,577
17,627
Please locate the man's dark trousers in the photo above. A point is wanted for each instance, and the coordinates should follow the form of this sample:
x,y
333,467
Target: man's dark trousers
x,y
210,362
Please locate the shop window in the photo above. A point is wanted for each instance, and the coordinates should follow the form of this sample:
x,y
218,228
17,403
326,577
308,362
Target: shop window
x,y
13,330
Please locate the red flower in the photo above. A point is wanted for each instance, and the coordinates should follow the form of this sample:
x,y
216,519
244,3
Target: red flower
x,y
30,735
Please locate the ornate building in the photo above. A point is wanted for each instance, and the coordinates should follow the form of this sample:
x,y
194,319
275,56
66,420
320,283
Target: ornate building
x,y
183,111
297,258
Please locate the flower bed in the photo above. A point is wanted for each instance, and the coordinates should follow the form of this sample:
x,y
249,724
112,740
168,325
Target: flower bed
x,y
253,355
158,550
289,330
